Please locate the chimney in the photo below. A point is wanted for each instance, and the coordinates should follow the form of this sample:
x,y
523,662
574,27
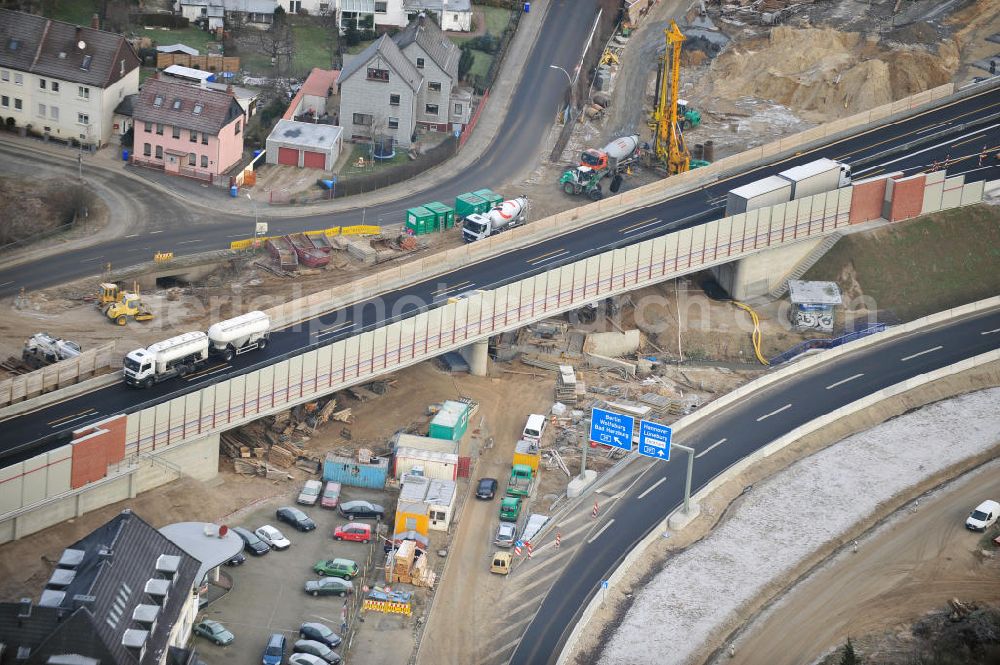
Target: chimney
x,y
79,31
229,90
421,18
95,22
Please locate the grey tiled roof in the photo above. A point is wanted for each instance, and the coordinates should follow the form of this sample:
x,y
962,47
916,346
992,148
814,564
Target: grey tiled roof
x,y
386,51
52,48
432,41
218,108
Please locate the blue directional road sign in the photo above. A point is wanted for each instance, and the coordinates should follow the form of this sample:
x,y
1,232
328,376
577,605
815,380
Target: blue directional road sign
x,y
611,429
654,440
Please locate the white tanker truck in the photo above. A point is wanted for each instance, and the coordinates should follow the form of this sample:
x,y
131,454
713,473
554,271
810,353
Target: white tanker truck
x,y
183,354
505,216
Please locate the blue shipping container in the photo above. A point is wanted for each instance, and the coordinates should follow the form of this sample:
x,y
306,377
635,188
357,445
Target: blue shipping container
x,y
348,471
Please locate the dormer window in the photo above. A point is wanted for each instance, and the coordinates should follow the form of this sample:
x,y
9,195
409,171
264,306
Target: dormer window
x,y
198,108
13,44
87,59
158,101
177,104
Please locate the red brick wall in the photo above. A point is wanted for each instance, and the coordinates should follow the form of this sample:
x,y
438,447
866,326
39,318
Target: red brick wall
x,y
92,456
866,202
907,198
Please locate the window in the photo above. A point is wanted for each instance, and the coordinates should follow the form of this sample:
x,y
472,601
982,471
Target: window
x,y
55,86
204,138
376,74
458,109
238,123
85,65
437,515
192,159
159,152
204,161
17,104
83,92
194,136
393,123
177,132
5,101
41,84
54,112
420,63
148,127
177,104
83,118
198,108
362,119
381,7
431,109
434,86
159,128
41,110
121,69
18,78
411,523
294,6
4,75
147,149
324,7
158,100
393,100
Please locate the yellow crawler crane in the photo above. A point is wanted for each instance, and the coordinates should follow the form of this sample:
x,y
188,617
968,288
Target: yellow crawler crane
x,y
669,141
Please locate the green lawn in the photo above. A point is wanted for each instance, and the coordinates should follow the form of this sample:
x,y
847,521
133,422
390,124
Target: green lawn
x,y
481,64
193,37
496,21
74,11
311,48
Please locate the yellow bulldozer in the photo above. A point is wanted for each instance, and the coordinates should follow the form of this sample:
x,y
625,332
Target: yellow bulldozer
x,y
118,305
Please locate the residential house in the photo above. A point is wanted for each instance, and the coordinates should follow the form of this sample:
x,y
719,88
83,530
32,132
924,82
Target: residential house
x,y
254,13
379,90
122,595
400,84
64,80
208,14
187,130
455,15
362,14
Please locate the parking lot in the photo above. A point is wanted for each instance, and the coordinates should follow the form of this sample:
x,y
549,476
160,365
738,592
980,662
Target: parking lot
x,y
268,593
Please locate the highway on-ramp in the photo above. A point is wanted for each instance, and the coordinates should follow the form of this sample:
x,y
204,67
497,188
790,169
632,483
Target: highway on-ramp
x,y
730,435
45,429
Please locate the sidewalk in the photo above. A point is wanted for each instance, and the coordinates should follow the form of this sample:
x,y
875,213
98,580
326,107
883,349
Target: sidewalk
x,y
216,199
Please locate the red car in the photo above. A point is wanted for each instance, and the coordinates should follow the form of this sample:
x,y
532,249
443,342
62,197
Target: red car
x,y
331,495
361,533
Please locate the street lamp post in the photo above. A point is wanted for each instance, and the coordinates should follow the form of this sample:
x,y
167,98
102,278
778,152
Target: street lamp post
x,y
572,88
256,224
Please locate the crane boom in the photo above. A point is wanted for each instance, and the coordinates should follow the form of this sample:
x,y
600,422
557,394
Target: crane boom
x,y
669,144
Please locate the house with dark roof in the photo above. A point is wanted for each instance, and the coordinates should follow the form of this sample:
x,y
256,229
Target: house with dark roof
x,y
64,80
397,85
187,130
122,595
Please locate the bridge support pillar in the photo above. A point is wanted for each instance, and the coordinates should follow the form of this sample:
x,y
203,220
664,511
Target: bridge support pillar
x,y
759,274
477,355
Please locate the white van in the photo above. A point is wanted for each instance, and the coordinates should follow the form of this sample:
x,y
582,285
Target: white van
x,y
535,428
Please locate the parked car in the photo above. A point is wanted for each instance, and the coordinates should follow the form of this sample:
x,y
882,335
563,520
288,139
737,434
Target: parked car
x,y
487,488
310,493
320,633
214,631
314,648
344,568
331,495
305,659
295,517
983,517
274,652
329,586
359,533
251,543
237,560
273,537
506,534
361,510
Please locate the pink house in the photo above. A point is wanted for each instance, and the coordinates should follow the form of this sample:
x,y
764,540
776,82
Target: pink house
x,y
187,130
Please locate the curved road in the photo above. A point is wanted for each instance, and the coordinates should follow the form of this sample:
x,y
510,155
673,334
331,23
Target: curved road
x,y
730,435
516,146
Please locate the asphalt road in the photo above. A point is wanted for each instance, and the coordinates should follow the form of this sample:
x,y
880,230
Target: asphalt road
x,y
532,109
727,437
45,429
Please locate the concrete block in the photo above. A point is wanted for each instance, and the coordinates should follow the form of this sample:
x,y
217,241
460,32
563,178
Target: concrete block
x,y
578,485
612,343
680,519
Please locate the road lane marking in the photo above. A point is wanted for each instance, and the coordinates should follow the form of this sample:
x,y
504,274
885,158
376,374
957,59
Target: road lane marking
x,y
545,258
712,447
187,242
153,232
774,413
72,417
445,289
652,487
330,331
205,372
985,332
916,355
974,138
638,225
12,281
133,235
603,529
96,258
843,381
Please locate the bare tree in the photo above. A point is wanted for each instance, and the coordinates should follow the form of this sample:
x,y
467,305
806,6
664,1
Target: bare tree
x,y
278,43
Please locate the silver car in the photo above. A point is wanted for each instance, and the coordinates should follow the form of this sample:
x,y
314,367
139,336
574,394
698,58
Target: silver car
x,y
506,534
310,493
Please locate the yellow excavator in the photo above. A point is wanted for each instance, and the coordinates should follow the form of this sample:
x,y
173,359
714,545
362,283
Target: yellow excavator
x,y
119,305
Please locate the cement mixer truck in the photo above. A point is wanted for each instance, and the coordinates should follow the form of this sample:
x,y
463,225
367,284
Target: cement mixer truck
x,y
183,354
614,160
505,216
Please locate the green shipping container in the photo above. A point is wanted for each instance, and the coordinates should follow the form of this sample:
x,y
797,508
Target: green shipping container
x,y
467,204
491,196
450,422
445,214
420,220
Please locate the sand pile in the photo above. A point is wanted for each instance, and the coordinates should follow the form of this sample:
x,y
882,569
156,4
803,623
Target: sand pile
x,y
824,73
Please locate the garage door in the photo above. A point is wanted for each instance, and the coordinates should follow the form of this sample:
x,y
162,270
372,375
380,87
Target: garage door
x,y
289,156
313,160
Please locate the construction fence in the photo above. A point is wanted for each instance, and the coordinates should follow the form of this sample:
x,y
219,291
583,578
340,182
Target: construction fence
x,y
358,230
57,375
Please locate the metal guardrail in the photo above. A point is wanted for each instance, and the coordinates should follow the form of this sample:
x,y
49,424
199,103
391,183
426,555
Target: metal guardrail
x,y
809,344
